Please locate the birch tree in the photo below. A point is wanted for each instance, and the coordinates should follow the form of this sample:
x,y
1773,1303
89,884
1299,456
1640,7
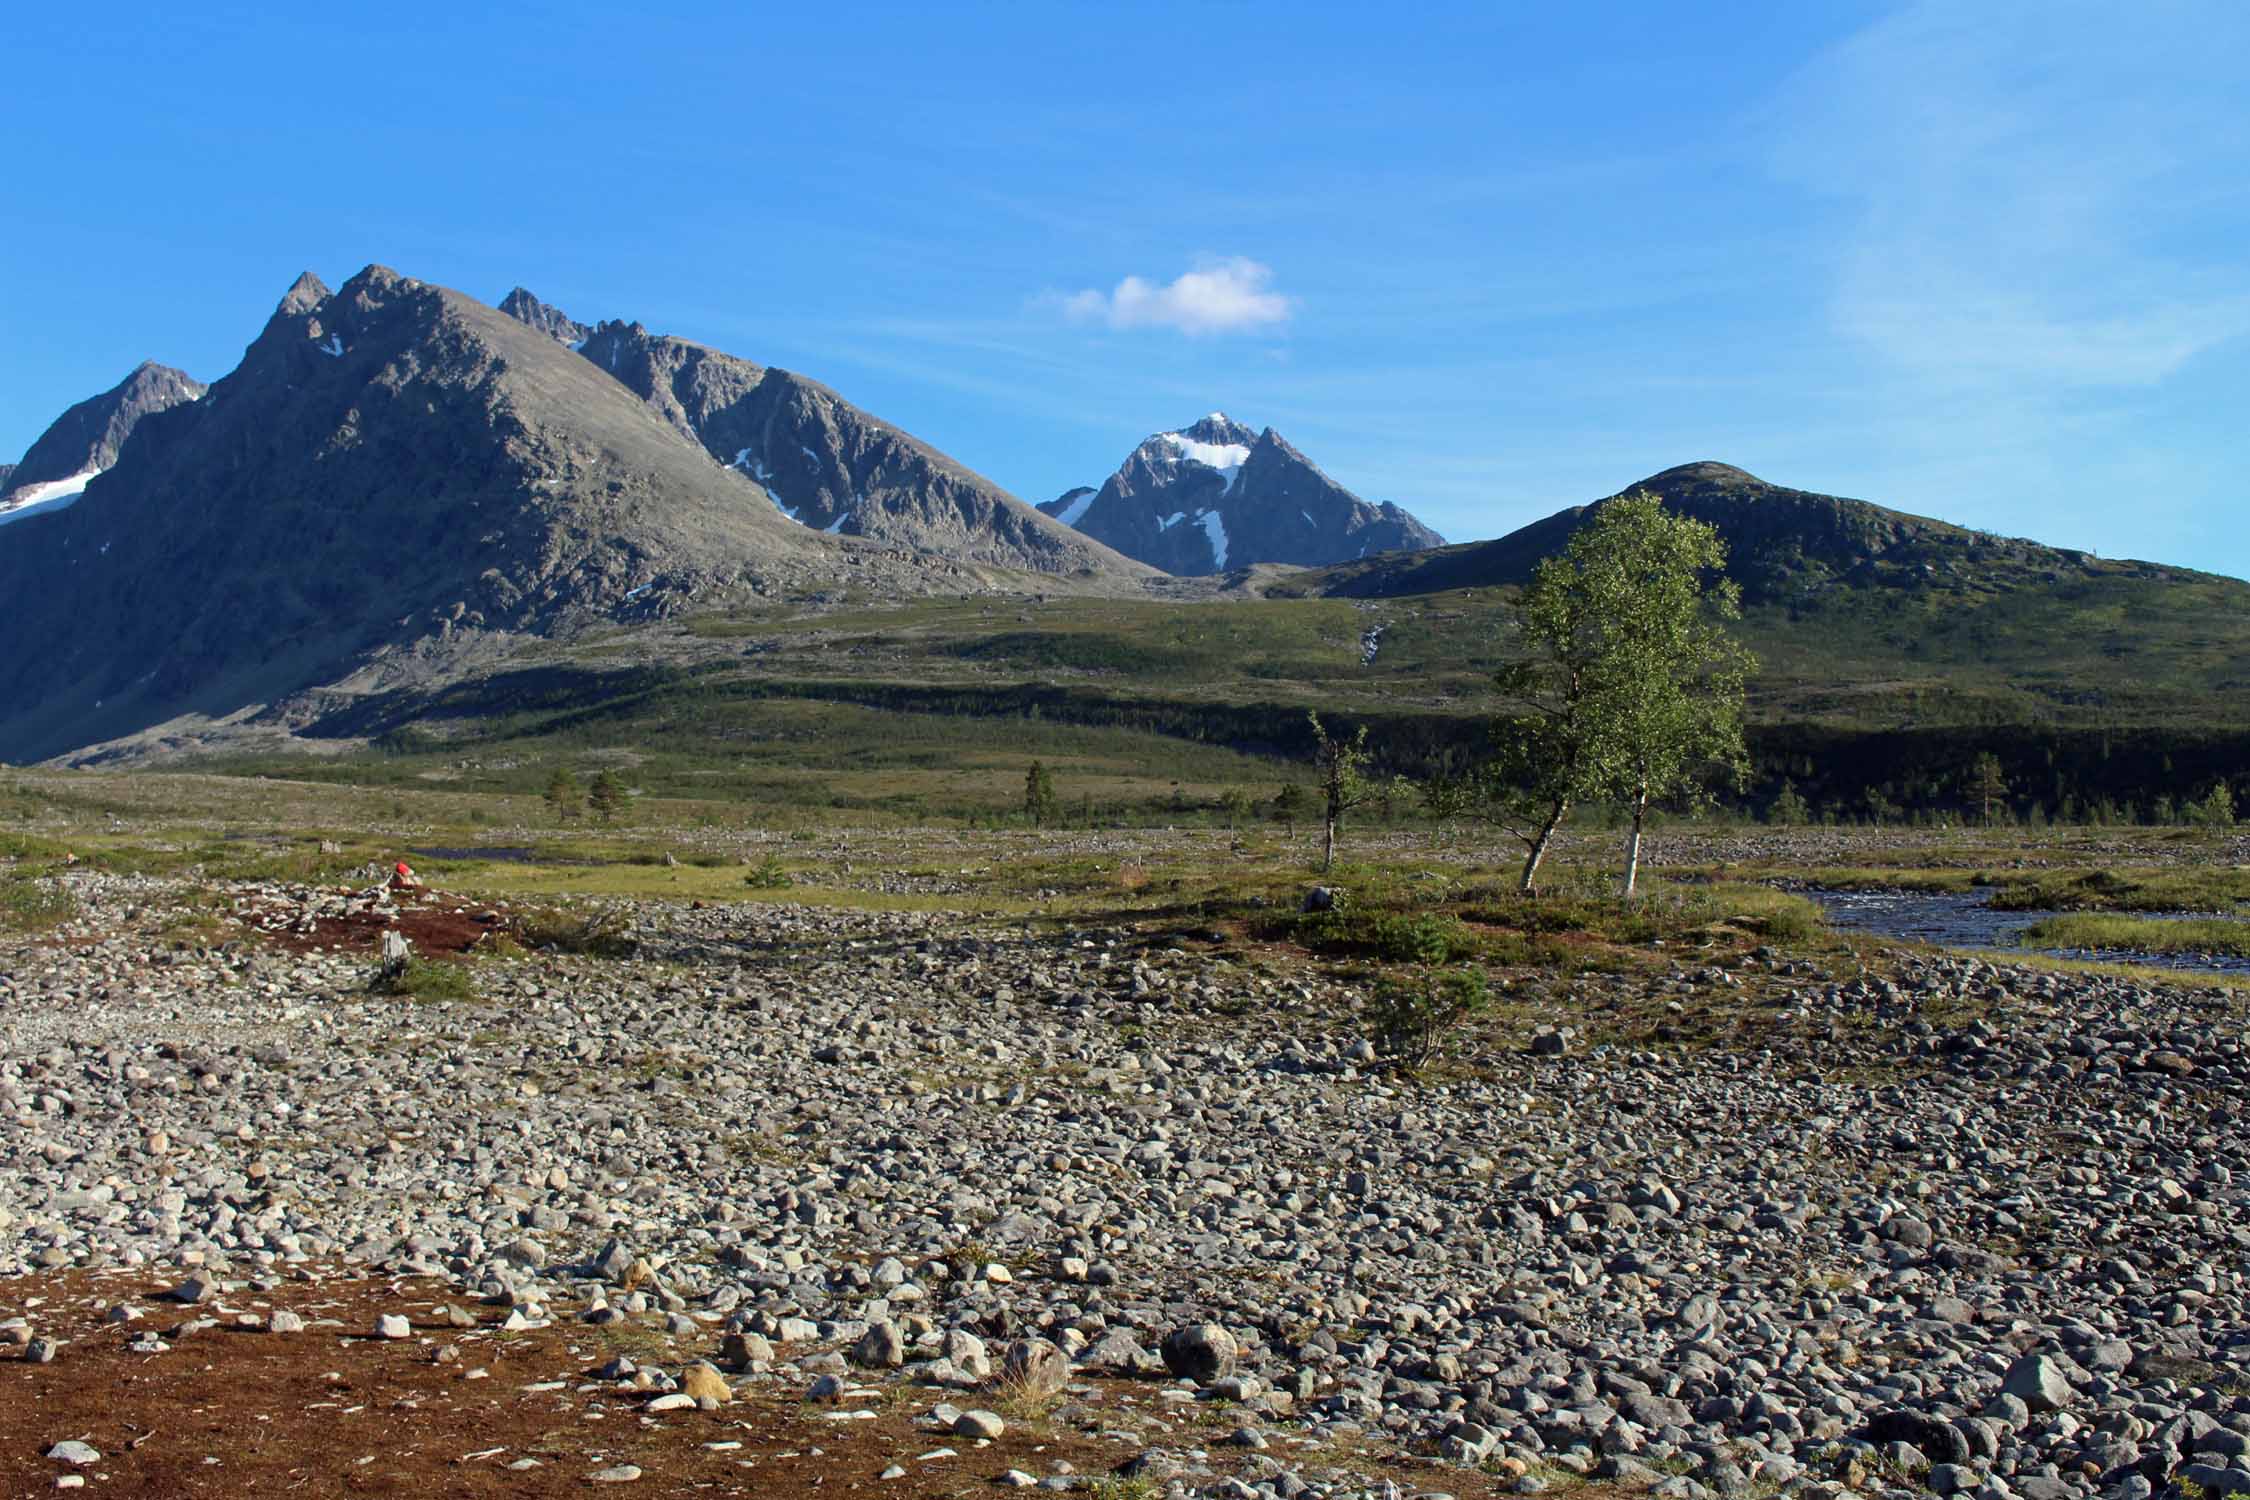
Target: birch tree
x,y
1629,688
1664,697
1344,783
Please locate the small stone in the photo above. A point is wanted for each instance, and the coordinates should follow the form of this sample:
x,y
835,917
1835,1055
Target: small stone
x,y
744,1350
702,1382
2038,1381
979,1424
41,1352
1035,1367
71,1451
882,1347
393,1326
1201,1352
282,1320
621,1474
192,1290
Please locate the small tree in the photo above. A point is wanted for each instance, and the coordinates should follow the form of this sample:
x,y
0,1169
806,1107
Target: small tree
x,y
2216,809
1632,689
562,794
1344,783
1039,804
1988,786
1789,810
1411,1022
605,796
1289,805
1234,806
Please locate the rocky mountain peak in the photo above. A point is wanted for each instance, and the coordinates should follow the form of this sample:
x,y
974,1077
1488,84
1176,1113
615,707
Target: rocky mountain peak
x,y
1216,495
305,293
549,320
85,440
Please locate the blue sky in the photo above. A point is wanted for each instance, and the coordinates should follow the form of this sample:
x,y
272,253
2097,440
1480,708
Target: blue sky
x,y
1982,261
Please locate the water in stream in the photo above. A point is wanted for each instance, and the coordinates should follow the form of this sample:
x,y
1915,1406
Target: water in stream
x,y
1964,920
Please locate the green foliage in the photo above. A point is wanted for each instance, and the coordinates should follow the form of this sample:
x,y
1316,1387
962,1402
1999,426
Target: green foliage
x,y
2216,809
1632,689
605,797
1392,936
30,903
427,979
768,874
1344,782
1988,786
562,794
1290,803
1412,1020
1788,810
601,934
1039,805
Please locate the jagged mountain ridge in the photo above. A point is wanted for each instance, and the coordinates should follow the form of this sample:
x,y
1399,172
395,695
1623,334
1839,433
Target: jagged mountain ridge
x,y
1216,496
85,440
552,321
392,465
829,465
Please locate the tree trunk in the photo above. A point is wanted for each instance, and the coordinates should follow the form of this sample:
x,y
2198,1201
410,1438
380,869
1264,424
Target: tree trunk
x,y
1539,844
1633,845
1328,846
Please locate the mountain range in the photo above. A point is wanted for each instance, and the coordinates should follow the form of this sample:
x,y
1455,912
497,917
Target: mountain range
x,y
400,488
396,475
1216,496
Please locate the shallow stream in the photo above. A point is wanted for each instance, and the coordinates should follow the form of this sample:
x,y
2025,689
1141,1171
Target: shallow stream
x,y
1965,920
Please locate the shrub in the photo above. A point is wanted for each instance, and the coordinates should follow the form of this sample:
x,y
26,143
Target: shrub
x,y
1411,1021
603,934
1393,937
29,905
768,875
424,979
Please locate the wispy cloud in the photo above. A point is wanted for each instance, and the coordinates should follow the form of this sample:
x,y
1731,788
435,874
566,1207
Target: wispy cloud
x,y
1233,295
2026,184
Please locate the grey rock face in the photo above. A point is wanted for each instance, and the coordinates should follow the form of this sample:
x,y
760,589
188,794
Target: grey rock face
x,y
829,466
1215,496
551,321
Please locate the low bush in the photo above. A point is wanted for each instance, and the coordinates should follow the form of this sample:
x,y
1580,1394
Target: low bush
x,y
1411,1021
601,934
34,903
768,875
426,979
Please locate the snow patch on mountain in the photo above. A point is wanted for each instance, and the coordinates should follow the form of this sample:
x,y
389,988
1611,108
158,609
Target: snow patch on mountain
x,y
1215,528
38,499
1074,512
1227,458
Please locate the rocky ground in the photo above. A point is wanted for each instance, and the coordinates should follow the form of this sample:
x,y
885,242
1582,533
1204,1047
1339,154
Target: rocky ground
x,y
1113,1208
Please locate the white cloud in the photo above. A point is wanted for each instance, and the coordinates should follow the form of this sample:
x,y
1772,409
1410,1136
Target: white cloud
x,y
1220,296
2028,191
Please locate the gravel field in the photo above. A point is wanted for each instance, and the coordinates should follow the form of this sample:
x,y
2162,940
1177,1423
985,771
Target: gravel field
x,y
1932,1225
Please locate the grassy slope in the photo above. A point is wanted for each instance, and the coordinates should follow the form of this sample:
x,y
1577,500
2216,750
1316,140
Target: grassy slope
x,y
935,705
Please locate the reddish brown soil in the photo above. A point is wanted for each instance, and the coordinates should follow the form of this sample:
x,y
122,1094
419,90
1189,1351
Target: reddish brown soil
x,y
436,926
234,1410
